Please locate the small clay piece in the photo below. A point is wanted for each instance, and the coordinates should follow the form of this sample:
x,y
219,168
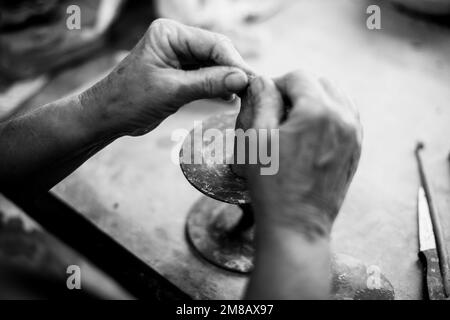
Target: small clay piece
x,y
353,280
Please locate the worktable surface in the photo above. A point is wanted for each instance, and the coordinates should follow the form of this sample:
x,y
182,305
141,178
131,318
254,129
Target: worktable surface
x,y
398,76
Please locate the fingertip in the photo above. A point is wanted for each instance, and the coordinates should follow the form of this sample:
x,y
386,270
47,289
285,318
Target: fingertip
x,y
251,73
280,83
236,81
260,83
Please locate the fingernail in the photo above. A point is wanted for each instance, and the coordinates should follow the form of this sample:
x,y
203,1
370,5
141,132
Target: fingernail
x,y
236,81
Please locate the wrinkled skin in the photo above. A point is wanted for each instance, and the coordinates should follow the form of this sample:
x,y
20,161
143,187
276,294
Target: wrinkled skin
x,y
172,65
320,146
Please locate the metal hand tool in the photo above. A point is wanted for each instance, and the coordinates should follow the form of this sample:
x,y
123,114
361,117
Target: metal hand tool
x,y
433,252
428,253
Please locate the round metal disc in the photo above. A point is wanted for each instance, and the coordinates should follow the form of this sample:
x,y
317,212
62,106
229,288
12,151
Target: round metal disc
x,y
209,228
212,176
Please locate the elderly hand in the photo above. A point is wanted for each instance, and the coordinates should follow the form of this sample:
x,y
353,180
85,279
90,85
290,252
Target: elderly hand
x,y
320,145
171,66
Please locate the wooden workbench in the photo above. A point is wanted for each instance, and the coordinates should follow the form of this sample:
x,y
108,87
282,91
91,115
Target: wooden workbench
x,y
398,76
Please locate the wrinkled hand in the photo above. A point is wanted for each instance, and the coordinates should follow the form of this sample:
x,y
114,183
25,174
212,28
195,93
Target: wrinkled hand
x,y
172,65
320,145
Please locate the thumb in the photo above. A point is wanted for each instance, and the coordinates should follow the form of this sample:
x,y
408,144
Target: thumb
x,y
213,82
266,103
261,110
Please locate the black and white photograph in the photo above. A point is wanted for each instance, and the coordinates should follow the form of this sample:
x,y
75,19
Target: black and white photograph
x,y
216,157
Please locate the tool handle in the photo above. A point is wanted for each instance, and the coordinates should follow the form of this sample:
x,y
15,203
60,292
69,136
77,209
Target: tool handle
x,y
437,227
432,272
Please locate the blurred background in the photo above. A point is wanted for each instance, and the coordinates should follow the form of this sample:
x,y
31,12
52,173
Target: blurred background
x,y
399,76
